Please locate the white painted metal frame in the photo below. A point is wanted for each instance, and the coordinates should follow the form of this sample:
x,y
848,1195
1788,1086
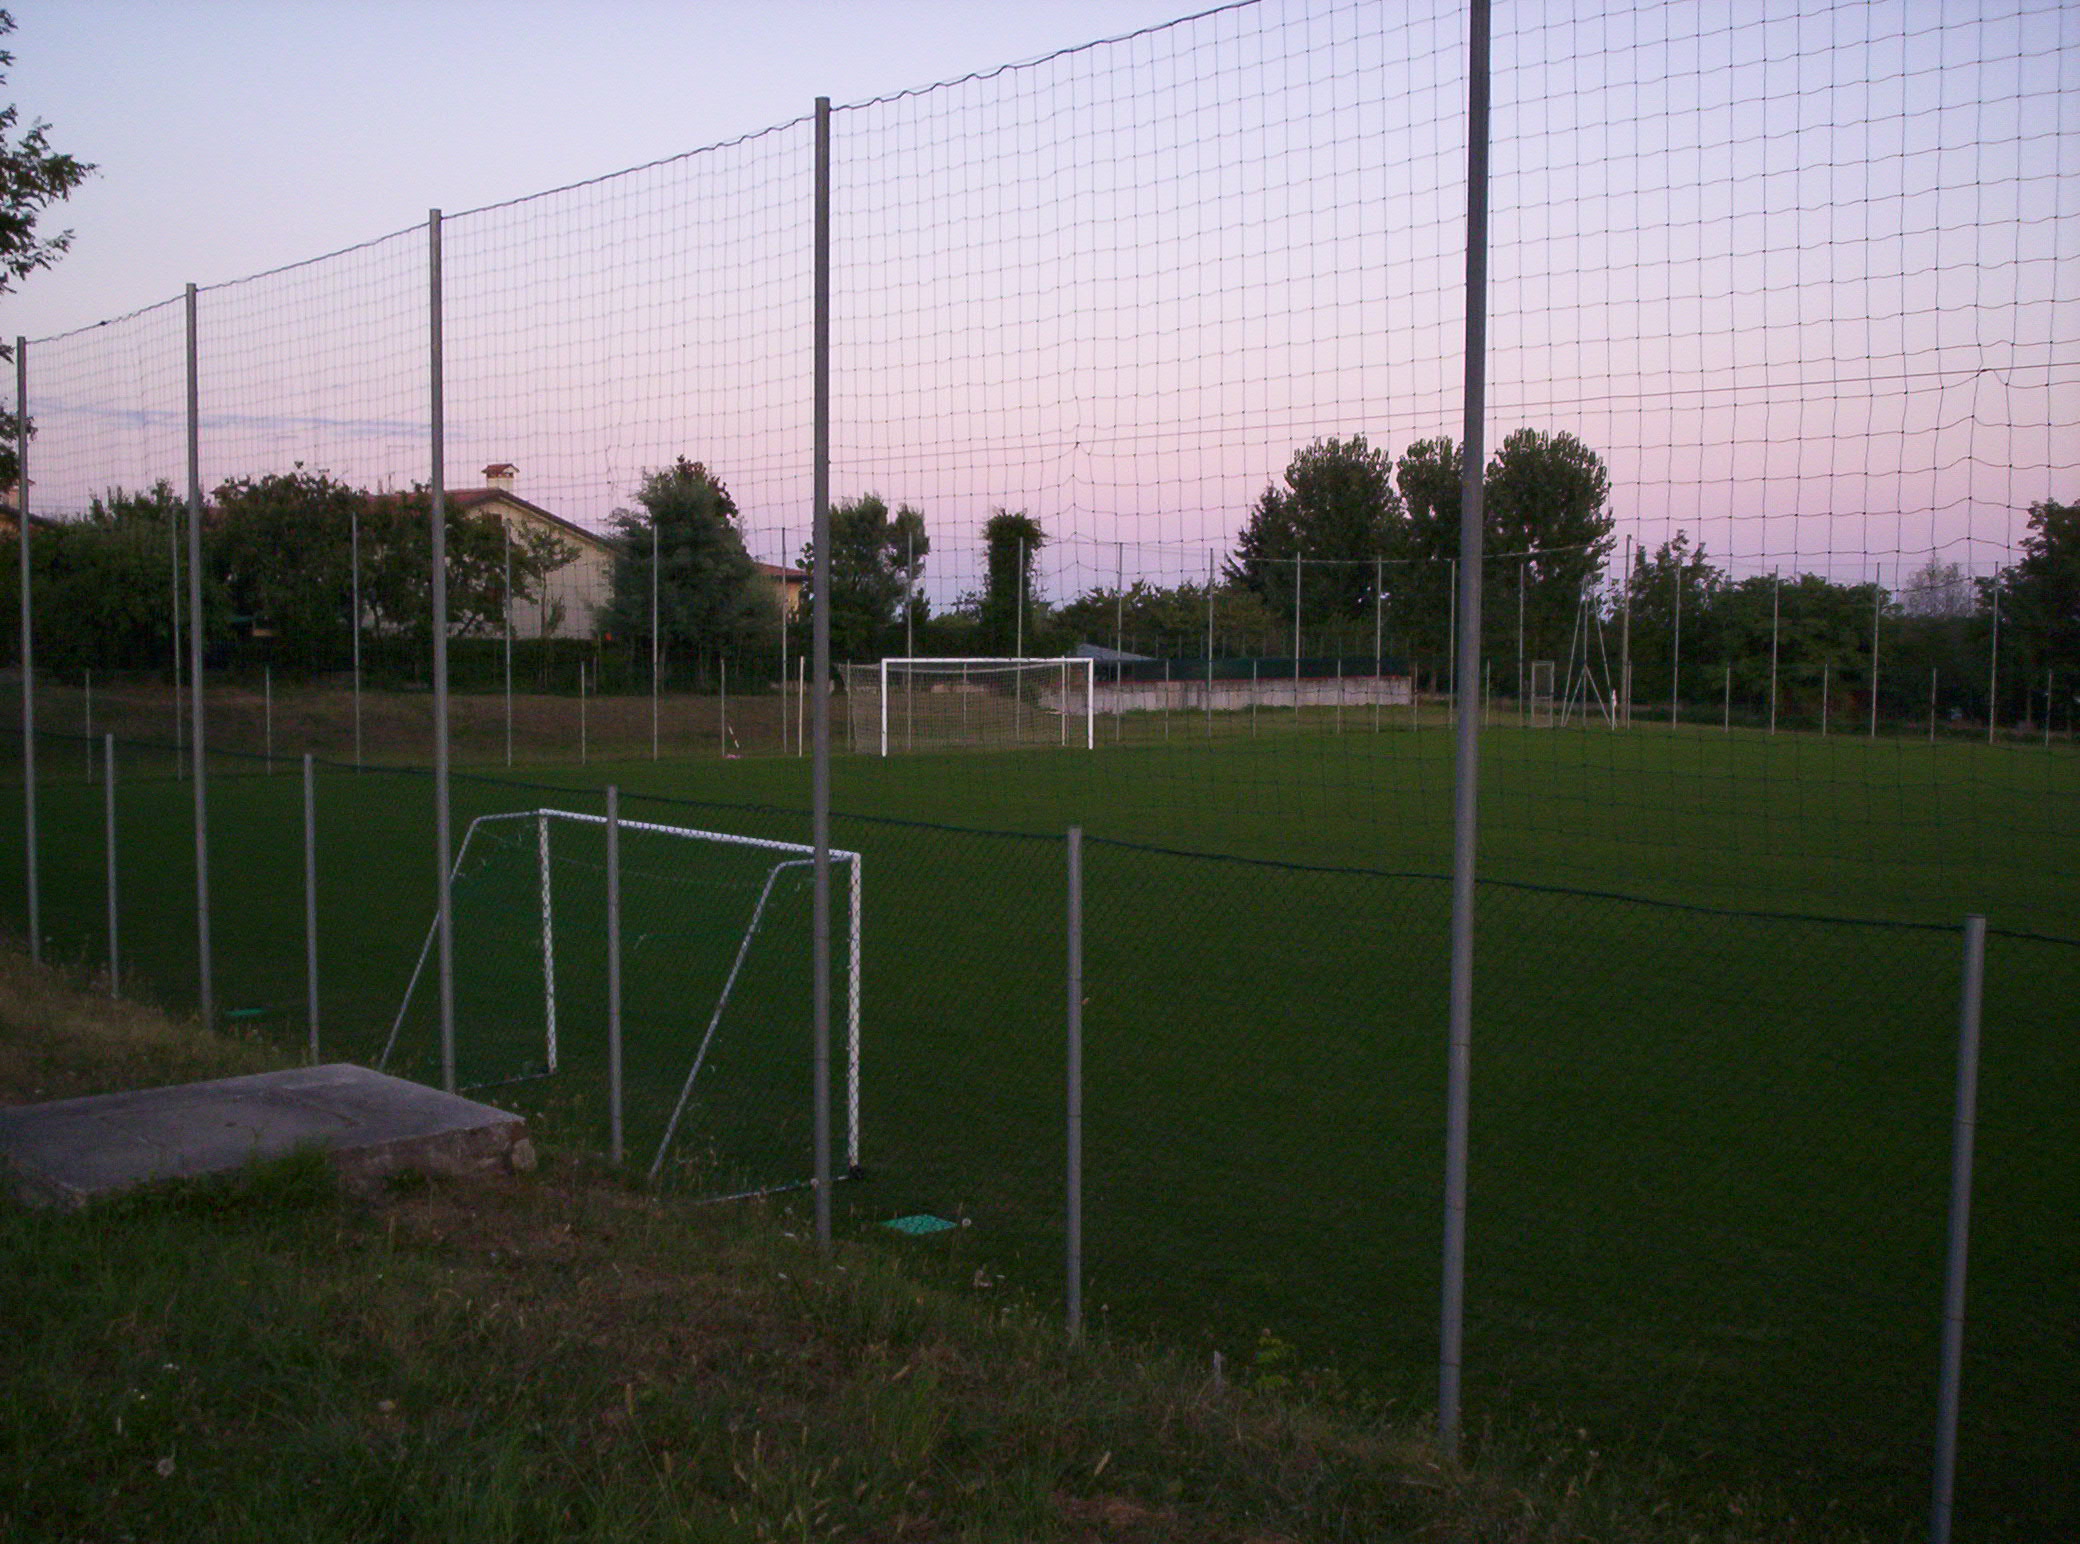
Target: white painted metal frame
x,y
795,852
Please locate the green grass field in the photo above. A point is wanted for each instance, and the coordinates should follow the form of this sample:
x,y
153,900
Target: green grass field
x,y
1714,1050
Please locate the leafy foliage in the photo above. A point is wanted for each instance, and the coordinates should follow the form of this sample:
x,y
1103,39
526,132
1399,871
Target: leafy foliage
x,y
876,560
1010,601
1338,507
32,178
709,596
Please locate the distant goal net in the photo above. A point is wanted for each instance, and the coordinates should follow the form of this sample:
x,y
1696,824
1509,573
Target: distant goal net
x,y
950,704
717,1007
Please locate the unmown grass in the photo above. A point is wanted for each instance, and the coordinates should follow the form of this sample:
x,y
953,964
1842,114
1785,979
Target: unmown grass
x,y
563,1356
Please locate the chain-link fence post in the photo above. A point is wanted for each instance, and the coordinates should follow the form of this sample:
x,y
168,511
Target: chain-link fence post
x,y
1073,1178
1963,1126
1466,783
615,1146
438,500
310,898
115,953
205,988
21,516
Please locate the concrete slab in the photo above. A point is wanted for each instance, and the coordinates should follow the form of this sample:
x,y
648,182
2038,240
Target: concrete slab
x,y
71,1151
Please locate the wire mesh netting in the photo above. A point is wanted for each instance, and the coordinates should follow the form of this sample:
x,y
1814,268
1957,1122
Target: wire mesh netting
x,y
1146,374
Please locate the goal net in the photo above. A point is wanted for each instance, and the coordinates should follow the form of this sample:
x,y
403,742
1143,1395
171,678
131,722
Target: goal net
x,y
942,704
716,998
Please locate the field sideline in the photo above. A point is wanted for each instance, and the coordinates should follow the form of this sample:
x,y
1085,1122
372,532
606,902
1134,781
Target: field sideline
x,y
1710,1152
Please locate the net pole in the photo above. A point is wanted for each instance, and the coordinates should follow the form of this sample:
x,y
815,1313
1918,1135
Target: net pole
x,y
656,641
88,687
108,789
354,598
1877,613
267,717
909,634
820,776
1064,714
884,700
584,728
1119,647
205,984
1993,663
1073,1178
1675,657
180,728
2047,706
722,710
1964,1125
783,641
310,898
1209,651
1726,722
505,530
543,858
21,509
1826,692
614,1131
1522,565
1625,633
438,499
1931,704
1253,699
1298,561
1776,596
1466,781
1018,651
1379,617
801,700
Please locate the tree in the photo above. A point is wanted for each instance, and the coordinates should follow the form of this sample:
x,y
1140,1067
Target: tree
x,y
281,547
1936,590
1010,602
709,595
1544,499
876,561
32,178
1339,508
2040,594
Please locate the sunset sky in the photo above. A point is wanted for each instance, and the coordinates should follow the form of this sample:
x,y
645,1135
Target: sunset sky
x,y
1807,276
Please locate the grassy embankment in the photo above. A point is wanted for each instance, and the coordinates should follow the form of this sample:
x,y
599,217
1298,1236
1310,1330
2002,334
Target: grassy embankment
x,y
561,1356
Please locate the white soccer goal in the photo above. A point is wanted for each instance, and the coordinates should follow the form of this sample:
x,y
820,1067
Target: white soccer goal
x,y
715,973
1541,694
940,704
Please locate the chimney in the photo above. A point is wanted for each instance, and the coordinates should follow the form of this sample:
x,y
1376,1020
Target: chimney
x,y
500,475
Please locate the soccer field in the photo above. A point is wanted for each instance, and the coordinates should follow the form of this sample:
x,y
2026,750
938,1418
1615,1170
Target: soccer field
x,y
1713,1062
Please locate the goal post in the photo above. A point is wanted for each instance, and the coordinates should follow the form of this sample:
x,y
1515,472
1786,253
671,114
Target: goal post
x,y
984,702
717,986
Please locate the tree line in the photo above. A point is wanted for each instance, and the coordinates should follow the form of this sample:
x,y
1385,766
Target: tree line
x,y
1357,547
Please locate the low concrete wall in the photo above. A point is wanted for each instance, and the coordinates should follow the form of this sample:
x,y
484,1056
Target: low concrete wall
x,y
1308,692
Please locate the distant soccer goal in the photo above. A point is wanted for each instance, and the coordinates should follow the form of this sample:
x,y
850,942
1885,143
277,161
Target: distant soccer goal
x,y
945,704
716,997
1540,700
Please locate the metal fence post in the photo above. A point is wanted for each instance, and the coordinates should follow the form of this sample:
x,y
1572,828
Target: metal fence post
x,y
438,498
115,952
614,1141
1466,783
820,647
1963,1126
206,993
1074,1176
21,514
310,896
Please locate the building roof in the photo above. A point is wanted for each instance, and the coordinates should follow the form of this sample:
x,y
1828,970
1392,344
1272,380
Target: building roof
x,y
781,571
477,498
